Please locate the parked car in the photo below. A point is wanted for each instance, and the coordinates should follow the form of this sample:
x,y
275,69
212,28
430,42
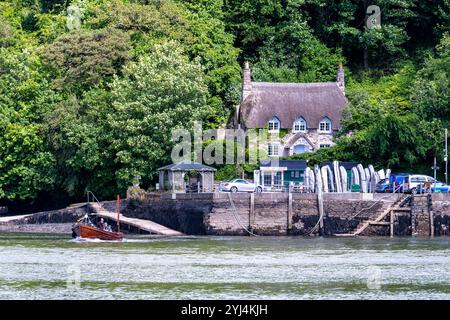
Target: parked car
x,y
409,183
399,180
438,187
383,186
416,180
239,185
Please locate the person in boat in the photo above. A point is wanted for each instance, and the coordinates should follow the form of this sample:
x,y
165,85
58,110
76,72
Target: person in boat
x,y
102,224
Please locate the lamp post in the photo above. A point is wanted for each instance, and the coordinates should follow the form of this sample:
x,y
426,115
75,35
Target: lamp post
x,y
435,168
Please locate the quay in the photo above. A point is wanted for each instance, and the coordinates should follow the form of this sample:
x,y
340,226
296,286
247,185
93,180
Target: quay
x,y
264,214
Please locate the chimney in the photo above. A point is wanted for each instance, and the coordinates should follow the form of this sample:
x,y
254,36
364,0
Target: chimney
x,y
246,81
340,78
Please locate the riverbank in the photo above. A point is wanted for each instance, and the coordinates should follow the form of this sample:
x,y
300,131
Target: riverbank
x,y
51,228
266,214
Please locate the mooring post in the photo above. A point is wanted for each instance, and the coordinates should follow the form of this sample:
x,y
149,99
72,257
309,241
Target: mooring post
x,y
321,211
431,213
392,224
289,217
431,223
251,215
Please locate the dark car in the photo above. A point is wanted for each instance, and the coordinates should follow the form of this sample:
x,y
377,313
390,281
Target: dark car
x,y
387,185
399,180
382,186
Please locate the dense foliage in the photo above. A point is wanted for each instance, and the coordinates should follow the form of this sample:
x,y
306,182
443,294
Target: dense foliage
x,y
90,89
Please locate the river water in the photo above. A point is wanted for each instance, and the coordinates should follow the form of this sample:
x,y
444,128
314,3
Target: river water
x,y
36,266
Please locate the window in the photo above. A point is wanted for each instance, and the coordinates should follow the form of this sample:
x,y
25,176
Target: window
x,y
325,125
272,149
274,124
295,174
277,179
325,146
267,179
299,125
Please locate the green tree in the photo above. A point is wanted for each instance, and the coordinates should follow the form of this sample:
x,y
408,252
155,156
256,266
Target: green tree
x,y
160,92
81,59
7,33
431,90
25,167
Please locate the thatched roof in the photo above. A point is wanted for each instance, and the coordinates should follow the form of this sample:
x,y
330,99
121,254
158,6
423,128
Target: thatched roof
x,y
289,101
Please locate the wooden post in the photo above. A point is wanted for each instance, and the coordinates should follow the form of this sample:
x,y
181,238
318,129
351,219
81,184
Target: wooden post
x,y
431,223
321,211
118,213
251,216
430,210
289,216
392,224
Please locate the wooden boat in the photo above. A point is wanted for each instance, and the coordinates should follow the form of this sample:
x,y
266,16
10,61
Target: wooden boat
x,y
92,232
84,228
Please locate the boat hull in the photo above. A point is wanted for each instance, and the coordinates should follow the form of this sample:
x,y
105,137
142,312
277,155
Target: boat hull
x,y
89,232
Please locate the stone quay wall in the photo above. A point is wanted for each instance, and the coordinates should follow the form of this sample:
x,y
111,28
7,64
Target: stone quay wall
x,y
441,213
273,214
263,214
66,215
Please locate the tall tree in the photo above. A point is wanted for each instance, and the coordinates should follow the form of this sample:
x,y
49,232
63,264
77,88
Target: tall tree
x,y
83,59
157,94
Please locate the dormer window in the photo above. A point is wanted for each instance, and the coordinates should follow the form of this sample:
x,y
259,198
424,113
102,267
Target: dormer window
x,y
299,125
325,125
274,124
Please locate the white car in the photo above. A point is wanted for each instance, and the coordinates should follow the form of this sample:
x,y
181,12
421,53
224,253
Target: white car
x,y
239,185
415,180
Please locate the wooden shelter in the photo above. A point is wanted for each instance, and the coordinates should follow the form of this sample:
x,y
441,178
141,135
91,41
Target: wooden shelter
x,y
186,176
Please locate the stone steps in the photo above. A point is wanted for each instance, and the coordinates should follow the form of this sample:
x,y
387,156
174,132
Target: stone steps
x,y
363,225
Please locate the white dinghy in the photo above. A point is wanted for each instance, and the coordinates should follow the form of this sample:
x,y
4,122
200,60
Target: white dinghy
x,y
337,176
362,177
344,179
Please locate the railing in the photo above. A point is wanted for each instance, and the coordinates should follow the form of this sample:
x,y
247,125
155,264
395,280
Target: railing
x,y
302,188
287,188
397,189
90,195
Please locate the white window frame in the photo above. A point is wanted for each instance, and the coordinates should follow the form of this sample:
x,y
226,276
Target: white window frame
x,y
275,124
299,122
324,145
271,147
326,122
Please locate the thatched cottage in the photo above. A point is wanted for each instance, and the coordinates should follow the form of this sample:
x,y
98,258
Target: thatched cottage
x,y
309,114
